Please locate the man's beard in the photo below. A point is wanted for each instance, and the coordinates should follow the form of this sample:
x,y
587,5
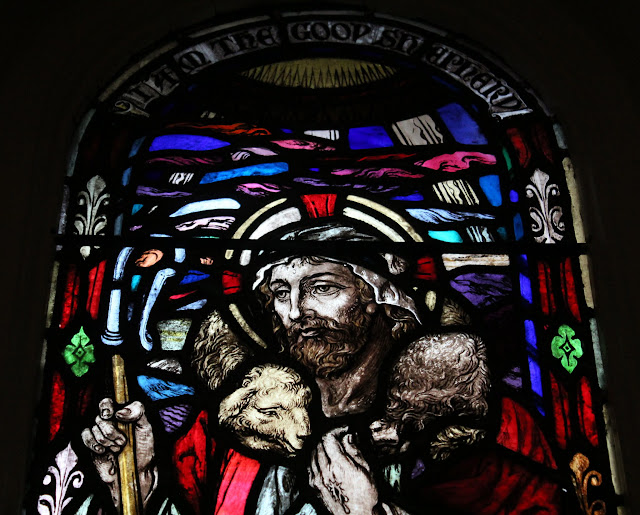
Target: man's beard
x,y
333,348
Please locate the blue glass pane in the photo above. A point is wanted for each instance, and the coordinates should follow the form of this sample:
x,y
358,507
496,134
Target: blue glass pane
x,y
448,236
247,171
194,276
518,229
158,389
135,281
530,333
136,146
186,142
463,128
369,137
525,288
415,196
490,184
136,208
445,83
513,196
536,380
126,176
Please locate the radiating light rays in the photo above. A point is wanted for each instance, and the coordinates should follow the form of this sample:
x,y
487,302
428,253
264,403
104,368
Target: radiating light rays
x,y
320,73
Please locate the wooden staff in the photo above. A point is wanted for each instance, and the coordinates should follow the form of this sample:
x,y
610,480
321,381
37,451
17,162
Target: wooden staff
x,y
130,500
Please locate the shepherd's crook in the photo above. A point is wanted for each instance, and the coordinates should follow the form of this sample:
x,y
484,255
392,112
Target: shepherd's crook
x,y
129,487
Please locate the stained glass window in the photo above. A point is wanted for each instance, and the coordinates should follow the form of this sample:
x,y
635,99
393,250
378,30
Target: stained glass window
x,y
319,263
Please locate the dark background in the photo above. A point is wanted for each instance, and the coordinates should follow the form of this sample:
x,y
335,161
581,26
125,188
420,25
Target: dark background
x,y
56,58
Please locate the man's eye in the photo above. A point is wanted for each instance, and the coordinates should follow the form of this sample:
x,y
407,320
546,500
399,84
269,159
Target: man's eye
x,y
281,294
325,289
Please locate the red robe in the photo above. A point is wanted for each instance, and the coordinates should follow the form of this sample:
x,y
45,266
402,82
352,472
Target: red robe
x,y
486,483
191,457
492,483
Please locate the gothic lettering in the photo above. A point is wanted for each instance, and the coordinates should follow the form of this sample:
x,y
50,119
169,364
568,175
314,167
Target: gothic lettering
x,y
141,94
192,60
388,39
338,31
300,31
241,42
164,80
225,44
359,30
502,99
265,37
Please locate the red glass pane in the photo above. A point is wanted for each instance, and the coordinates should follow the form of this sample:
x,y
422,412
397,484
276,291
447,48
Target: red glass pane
x,y
181,295
320,205
426,269
560,401
586,415
231,282
238,473
541,141
190,456
545,285
522,149
96,276
56,411
520,433
569,288
84,398
71,291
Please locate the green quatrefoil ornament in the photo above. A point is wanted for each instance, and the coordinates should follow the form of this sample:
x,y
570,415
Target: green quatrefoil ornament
x,y
79,353
567,348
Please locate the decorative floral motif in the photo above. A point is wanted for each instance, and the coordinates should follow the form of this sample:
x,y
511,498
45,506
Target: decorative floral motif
x,y
566,348
91,222
547,223
66,460
581,481
79,353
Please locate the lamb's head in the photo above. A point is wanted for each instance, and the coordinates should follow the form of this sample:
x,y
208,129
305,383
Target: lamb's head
x,y
269,411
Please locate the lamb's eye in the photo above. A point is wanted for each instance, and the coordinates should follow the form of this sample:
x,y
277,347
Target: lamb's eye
x,y
269,412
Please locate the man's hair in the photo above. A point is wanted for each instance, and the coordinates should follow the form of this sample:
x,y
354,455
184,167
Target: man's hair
x,y
439,376
403,320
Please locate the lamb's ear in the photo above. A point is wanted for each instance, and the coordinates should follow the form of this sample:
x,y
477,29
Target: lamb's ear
x,y
232,405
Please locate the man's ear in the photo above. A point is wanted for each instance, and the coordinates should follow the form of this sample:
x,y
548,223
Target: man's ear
x,y
372,307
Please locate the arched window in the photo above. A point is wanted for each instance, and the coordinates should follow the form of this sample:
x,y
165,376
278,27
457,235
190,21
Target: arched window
x,y
321,262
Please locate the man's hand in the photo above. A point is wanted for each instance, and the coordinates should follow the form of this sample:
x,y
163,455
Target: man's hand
x,y
106,441
341,475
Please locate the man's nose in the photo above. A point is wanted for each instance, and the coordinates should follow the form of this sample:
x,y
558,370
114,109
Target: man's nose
x,y
298,307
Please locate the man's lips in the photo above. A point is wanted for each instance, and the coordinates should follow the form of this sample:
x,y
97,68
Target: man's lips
x,y
309,332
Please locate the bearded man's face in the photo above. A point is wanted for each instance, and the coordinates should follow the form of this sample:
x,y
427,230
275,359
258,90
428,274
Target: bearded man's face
x,y
320,314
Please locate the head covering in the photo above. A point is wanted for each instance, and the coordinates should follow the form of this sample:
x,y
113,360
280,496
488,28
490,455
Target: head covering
x,y
385,264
